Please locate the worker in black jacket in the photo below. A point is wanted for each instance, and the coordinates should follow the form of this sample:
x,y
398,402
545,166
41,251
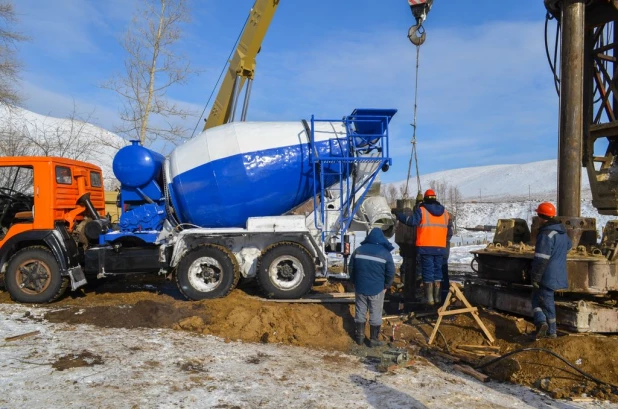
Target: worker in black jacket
x,y
372,271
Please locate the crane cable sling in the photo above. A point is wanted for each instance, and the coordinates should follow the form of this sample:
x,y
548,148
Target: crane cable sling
x,y
517,351
229,57
413,154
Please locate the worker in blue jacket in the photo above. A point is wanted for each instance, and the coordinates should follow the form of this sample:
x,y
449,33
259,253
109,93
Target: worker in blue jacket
x,y
548,272
432,229
372,271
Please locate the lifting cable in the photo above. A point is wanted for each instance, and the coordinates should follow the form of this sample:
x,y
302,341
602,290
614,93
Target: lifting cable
x,y
413,154
229,57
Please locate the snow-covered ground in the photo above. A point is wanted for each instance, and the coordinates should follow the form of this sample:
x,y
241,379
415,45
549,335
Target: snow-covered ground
x,y
146,368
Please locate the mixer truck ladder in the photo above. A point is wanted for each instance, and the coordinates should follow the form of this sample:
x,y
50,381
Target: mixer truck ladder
x,y
339,190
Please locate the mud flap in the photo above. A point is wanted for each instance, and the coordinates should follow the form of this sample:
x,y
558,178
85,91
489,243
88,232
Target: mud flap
x,y
78,278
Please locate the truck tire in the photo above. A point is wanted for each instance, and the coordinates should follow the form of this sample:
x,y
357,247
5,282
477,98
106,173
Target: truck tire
x,y
33,276
286,271
206,272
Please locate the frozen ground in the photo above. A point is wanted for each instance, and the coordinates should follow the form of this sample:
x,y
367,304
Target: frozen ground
x,y
145,368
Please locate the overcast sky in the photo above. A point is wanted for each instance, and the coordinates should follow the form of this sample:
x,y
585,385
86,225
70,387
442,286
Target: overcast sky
x,y
486,94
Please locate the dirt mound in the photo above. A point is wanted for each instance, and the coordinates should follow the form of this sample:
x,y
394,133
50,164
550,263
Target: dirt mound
x,y
239,316
595,355
146,314
83,359
242,317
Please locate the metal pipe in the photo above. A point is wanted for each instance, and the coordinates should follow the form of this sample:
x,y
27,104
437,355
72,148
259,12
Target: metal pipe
x,y
245,105
571,108
235,95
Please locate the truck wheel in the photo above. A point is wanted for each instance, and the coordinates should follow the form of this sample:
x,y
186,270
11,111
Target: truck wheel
x,y
33,276
206,272
286,271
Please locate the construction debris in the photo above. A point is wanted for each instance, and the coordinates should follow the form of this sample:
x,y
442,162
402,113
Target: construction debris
x,y
22,336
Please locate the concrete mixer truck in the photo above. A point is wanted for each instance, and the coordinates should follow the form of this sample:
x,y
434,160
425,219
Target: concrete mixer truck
x,y
222,206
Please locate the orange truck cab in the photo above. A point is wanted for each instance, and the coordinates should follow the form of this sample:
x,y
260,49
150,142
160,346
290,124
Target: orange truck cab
x,y
46,204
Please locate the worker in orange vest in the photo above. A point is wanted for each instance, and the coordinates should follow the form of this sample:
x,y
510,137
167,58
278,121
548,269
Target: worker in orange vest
x,y
432,228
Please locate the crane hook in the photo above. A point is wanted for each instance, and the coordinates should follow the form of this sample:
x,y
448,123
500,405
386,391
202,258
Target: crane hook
x,y
417,34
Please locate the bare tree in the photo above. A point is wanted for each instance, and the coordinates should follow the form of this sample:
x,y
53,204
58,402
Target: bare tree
x,y
12,143
10,65
390,193
73,138
152,66
454,201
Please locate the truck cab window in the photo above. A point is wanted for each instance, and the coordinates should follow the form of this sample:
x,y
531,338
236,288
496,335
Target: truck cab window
x,y
63,175
95,179
16,196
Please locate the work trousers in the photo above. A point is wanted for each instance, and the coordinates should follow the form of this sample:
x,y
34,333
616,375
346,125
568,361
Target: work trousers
x,y
432,268
372,302
544,308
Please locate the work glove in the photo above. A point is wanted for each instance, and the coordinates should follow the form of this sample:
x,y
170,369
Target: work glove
x,y
535,284
401,217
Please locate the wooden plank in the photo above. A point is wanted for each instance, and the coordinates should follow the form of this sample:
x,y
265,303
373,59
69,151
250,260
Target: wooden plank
x,y
329,295
475,348
582,399
475,315
315,301
448,357
478,354
467,356
459,311
469,371
22,336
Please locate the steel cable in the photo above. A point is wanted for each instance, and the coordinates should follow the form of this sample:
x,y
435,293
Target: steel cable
x,y
413,154
220,75
517,351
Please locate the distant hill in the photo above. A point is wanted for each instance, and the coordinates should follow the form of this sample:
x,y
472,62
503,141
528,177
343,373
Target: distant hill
x,y
25,133
506,191
503,182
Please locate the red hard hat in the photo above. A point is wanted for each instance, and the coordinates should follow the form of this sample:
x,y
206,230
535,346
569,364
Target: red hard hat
x,y
546,209
430,194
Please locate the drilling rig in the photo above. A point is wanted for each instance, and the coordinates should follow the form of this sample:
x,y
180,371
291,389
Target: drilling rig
x,y
587,83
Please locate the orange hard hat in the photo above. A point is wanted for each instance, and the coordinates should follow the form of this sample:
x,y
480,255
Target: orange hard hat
x,y
430,194
546,209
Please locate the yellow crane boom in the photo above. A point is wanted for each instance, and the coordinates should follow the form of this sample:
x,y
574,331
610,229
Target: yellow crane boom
x,y
242,65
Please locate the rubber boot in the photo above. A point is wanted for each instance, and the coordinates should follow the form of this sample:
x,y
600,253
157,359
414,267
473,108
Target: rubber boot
x,y
541,331
375,336
429,294
360,332
437,293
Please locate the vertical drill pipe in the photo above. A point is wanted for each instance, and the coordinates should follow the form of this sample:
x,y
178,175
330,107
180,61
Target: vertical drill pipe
x,y
571,108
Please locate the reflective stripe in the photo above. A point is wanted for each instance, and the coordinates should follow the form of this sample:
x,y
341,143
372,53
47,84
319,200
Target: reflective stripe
x,y
425,221
537,309
541,255
432,230
552,320
552,233
366,257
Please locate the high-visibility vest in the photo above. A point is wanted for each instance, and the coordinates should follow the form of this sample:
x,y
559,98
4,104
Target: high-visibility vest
x,y
432,230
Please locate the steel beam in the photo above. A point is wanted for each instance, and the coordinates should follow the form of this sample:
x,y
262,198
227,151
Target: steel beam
x,y
571,107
